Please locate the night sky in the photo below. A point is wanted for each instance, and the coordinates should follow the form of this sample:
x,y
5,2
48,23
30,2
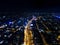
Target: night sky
x,y
29,5
35,4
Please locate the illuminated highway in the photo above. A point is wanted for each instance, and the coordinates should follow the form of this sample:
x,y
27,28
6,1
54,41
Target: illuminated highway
x,y
46,31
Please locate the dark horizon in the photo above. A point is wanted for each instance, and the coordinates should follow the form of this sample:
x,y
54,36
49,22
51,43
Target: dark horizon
x,y
19,7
